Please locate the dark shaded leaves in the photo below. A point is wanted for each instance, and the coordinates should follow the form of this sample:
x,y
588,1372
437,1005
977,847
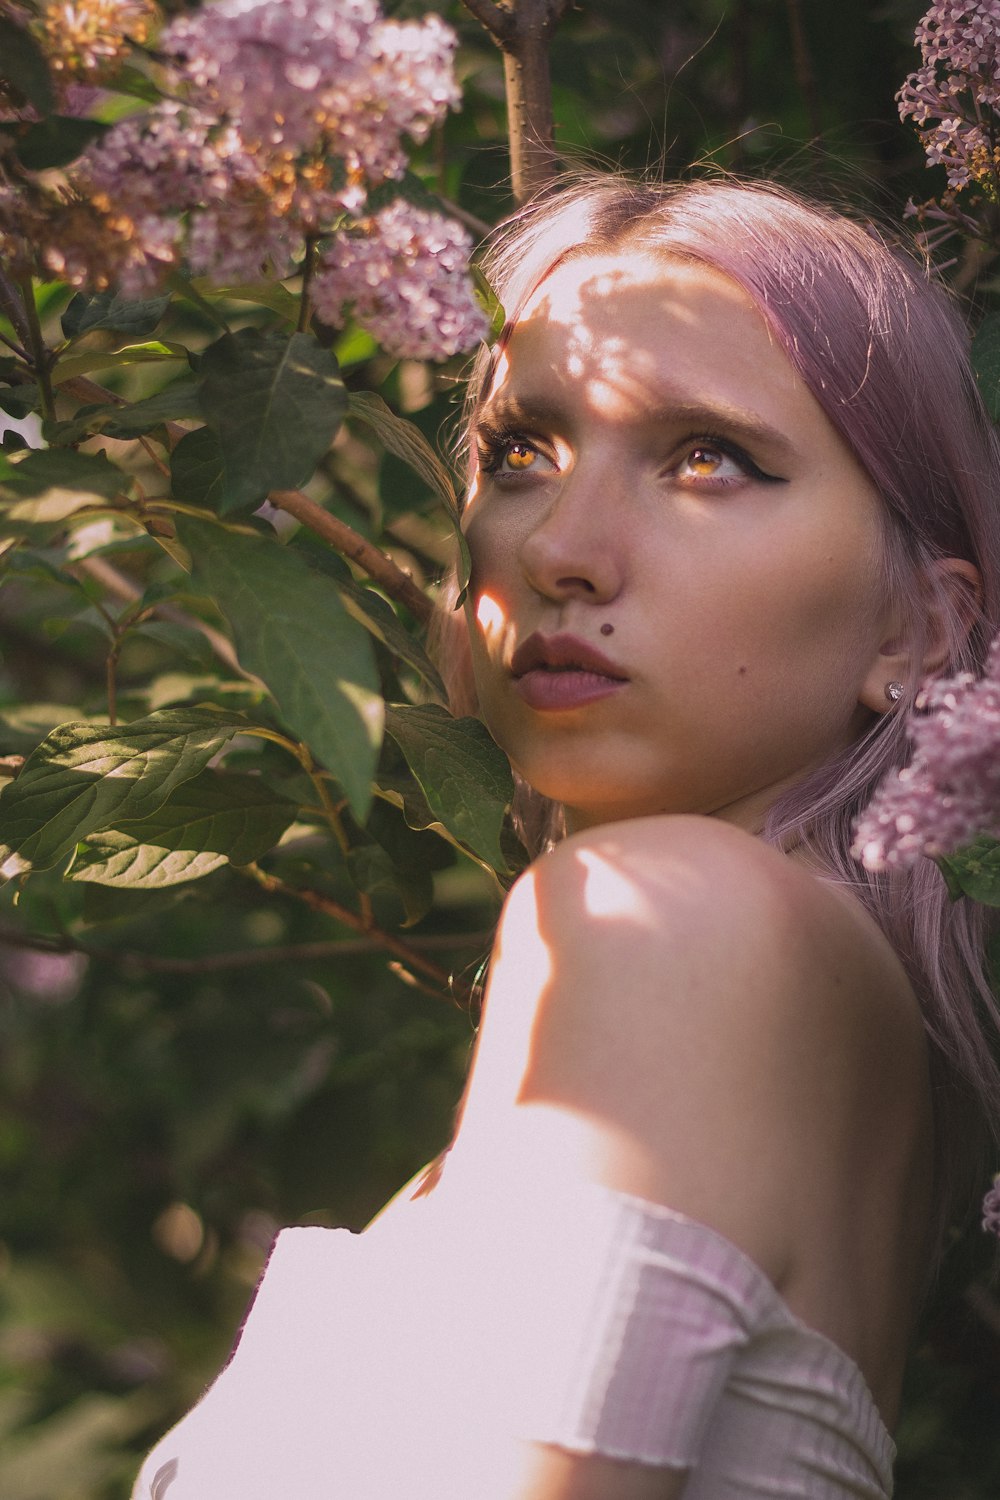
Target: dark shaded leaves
x,y
292,631
275,403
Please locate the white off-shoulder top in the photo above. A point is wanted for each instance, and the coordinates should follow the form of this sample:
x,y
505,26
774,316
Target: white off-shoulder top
x,y
400,1363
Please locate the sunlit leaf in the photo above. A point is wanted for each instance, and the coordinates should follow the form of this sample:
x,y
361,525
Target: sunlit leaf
x,y
292,631
151,352
275,404
52,483
85,778
209,821
269,294
462,772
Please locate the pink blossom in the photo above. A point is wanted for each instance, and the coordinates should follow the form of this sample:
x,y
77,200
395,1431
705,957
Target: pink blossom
x,y
950,792
991,1208
406,274
958,87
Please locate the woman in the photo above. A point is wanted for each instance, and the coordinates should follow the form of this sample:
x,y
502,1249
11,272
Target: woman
x,y
732,498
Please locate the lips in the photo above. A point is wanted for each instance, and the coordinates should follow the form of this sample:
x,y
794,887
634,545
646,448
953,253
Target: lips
x,y
562,672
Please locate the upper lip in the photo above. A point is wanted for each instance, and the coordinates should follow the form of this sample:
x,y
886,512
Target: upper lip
x,y
562,650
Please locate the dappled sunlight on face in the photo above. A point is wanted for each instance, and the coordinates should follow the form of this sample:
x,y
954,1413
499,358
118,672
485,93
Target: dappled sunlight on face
x,y
490,615
665,515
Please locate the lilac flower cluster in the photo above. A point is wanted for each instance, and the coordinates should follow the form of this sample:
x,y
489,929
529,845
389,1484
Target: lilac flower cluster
x,y
86,39
405,272
953,95
950,792
280,117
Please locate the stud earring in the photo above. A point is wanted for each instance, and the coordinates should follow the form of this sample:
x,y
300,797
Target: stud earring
x,y
894,691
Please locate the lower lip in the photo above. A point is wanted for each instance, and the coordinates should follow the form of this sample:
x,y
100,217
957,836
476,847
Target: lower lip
x,y
562,690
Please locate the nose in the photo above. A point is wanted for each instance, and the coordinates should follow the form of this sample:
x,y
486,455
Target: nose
x,y
574,550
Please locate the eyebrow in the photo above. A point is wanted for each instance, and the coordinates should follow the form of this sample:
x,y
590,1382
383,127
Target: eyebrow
x,y
693,416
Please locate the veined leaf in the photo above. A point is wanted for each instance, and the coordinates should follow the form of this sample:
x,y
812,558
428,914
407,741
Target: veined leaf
x,y
462,772
293,632
211,820
275,404
86,778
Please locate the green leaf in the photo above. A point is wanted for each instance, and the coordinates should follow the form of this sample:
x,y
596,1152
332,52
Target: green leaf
x,y
986,362
151,352
405,440
196,469
51,483
373,871
20,401
489,302
23,64
269,294
974,871
293,632
178,401
379,618
462,772
113,312
86,778
56,142
275,404
211,820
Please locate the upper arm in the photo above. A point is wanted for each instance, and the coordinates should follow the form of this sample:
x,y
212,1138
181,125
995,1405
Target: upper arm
x,y
675,1012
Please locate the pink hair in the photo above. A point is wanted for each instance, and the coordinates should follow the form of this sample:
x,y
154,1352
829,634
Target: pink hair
x,y
885,353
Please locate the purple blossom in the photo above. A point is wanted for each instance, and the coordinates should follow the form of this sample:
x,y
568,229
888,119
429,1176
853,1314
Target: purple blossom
x,y
954,93
406,275
991,1208
281,115
950,792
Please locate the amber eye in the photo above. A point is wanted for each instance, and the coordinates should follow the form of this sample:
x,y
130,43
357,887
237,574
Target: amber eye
x,y
520,456
704,460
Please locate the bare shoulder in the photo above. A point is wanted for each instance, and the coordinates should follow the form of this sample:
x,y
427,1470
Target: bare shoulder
x,y
700,1020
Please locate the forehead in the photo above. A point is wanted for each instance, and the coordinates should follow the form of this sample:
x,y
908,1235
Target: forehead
x,y
630,329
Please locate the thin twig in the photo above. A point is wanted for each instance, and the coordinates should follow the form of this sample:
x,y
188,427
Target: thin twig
x,y
319,901
338,534
499,23
21,353
241,958
352,545
123,588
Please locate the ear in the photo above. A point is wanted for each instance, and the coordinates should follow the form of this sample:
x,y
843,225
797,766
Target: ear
x,y
951,597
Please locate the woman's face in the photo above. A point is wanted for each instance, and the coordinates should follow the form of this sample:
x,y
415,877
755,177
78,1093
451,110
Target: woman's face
x,y
675,602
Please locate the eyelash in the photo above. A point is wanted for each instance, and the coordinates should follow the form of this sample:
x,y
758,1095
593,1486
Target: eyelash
x,y
492,444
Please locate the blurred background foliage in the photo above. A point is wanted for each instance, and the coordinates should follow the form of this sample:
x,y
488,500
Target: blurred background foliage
x,y
173,1088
